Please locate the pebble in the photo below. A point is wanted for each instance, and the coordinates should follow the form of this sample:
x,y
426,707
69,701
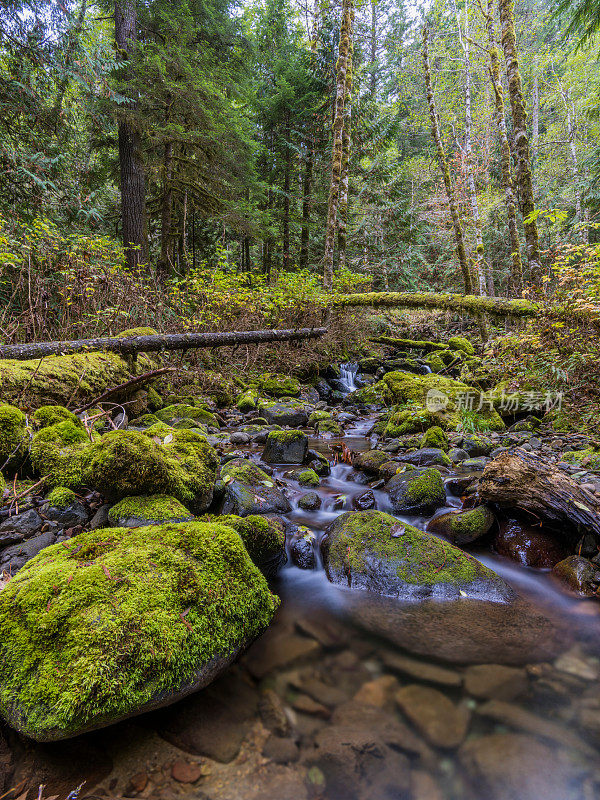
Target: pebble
x,y
306,705
186,772
421,670
377,692
137,783
487,681
435,716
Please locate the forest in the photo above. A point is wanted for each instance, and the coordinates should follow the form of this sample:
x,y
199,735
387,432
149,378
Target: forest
x,y
299,399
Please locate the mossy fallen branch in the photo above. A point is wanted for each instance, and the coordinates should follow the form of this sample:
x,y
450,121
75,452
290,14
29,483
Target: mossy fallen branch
x,y
410,344
496,306
131,345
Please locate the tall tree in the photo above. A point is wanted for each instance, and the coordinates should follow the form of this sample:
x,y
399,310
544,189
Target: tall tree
x,y
346,147
337,143
520,140
133,179
461,249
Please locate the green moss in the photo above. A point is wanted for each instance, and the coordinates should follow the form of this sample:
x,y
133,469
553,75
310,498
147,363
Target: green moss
x,y
317,416
279,385
148,509
145,421
61,497
401,423
14,437
49,415
370,460
469,525
247,401
308,477
419,558
460,343
93,629
60,452
2,484
588,458
263,538
329,426
286,437
179,412
426,486
239,469
435,437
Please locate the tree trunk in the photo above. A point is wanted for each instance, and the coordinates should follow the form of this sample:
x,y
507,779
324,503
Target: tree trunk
x,y
521,140
166,220
133,180
68,58
505,158
336,148
461,250
571,137
286,198
535,128
373,43
310,145
346,145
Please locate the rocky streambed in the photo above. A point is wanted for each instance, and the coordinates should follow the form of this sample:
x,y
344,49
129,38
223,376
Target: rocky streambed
x,y
324,564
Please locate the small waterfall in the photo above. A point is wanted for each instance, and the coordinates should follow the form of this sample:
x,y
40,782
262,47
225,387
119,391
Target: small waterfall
x,y
347,376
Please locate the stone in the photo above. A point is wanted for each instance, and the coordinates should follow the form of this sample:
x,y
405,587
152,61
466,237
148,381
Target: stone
x,y
116,616
417,491
457,454
423,786
370,461
579,574
272,713
476,446
74,514
26,524
306,705
285,447
277,649
13,558
249,490
309,502
364,501
421,670
135,512
528,545
292,413
302,548
426,457
373,551
463,527
136,784
281,751
497,681
506,766
438,719
378,692
185,772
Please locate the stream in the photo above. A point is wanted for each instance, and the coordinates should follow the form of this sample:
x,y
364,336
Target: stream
x,y
345,697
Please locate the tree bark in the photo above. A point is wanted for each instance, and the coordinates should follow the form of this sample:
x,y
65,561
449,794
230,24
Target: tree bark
x,y
505,158
336,148
286,198
521,140
310,145
133,179
166,233
535,128
346,145
461,250
155,343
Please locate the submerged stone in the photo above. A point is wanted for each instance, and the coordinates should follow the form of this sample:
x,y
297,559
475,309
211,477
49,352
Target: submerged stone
x,y
120,621
373,551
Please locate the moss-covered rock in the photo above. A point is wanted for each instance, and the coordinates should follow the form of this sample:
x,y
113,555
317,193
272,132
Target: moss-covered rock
x,y
161,460
417,491
279,385
426,457
290,412
463,527
124,620
2,484
401,423
285,447
588,458
460,343
308,477
155,401
60,497
181,415
435,437
14,437
49,415
263,538
60,453
249,490
247,401
373,551
140,510
316,416
370,460
310,502
329,426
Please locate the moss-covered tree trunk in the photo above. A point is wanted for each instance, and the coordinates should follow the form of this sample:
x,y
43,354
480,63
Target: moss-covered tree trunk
x,y
505,157
337,145
521,139
346,146
461,249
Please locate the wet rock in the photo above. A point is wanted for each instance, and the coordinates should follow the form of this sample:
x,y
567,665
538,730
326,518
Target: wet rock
x,y
457,454
239,437
100,518
423,786
323,389
370,461
292,413
506,766
310,502
417,491
487,681
378,692
461,484
249,490
272,713
364,501
185,772
323,693
473,464
136,784
463,527
318,462
579,574
68,516
25,524
373,551
421,670
281,751
285,447
426,457
306,705
276,649
13,558
438,719
526,545
302,548
476,446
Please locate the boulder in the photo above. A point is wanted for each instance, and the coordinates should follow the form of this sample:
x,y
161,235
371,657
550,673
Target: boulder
x,y
263,538
417,491
276,385
155,509
579,574
463,527
285,447
291,412
249,490
373,551
60,452
309,502
181,415
64,507
122,621
435,437
426,457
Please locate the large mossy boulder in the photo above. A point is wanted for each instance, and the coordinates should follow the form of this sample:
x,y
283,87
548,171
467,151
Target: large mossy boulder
x,y
463,527
373,551
290,412
416,491
121,621
279,385
180,463
263,538
60,453
249,490
285,447
182,415
13,435
45,416
142,510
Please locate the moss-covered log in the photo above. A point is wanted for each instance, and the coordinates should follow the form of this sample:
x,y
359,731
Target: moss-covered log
x,y
410,344
131,345
470,304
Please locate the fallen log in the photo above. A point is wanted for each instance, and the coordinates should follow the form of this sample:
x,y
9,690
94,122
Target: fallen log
x,y
410,344
125,387
131,345
525,481
496,306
